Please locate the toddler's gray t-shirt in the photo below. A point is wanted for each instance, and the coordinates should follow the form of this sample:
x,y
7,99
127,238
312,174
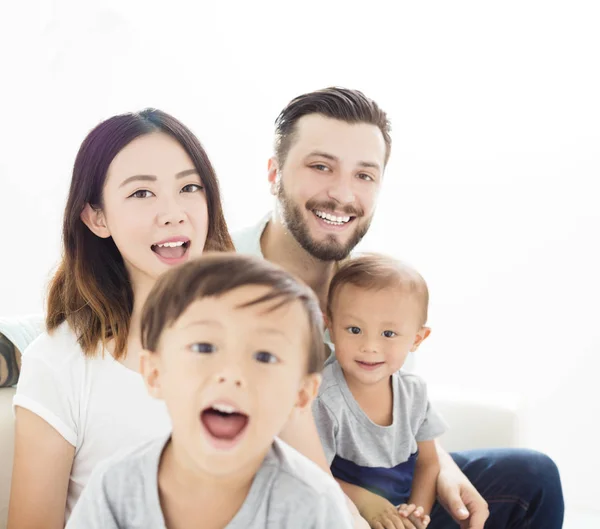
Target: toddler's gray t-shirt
x,y
378,458
289,491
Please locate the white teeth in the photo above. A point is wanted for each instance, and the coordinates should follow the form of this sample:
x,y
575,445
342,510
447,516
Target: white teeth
x,y
171,244
331,218
224,408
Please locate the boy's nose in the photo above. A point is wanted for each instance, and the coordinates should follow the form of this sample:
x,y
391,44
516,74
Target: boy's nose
x,y
230,376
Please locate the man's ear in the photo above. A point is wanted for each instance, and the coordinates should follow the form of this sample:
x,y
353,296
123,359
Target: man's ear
x,y
93,218
150,371
308,391
423,333
273,175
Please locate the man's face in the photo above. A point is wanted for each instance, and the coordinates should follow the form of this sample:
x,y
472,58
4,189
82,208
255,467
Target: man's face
x,y
328,185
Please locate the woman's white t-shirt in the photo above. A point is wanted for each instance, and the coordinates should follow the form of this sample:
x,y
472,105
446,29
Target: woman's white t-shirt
x,y
98,405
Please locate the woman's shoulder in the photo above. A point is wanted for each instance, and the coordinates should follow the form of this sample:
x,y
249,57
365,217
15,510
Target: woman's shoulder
x,y
57,346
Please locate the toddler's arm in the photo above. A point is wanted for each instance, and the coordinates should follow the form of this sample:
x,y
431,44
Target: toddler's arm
x,y
425,478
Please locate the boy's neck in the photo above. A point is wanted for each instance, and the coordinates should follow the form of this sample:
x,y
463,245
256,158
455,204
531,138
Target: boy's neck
x,y
187,492
280,247
375,400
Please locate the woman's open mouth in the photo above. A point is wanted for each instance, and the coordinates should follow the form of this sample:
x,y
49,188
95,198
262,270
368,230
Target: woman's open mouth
x,y
173,251
224,424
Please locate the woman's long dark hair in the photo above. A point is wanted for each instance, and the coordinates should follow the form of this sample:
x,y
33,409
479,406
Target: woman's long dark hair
x,y
91,289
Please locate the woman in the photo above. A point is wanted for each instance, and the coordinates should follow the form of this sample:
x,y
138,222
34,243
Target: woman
x,y
144,197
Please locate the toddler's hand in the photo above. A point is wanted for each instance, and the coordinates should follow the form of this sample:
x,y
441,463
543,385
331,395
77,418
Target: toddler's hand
x,y
381,514
415,516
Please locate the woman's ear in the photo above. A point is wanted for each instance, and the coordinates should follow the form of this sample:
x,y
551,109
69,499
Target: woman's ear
x,y
150,371
93,218
308,391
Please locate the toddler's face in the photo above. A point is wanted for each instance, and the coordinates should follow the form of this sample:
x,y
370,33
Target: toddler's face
x,y
374,330
231,376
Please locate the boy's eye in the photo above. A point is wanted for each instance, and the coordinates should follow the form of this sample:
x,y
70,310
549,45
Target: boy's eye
x,y
192,188
265,358
203,347
353,330
389,334
141,193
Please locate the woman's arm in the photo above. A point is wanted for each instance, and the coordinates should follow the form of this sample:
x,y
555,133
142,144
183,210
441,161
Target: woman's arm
x,y
10,362
301,433
40,478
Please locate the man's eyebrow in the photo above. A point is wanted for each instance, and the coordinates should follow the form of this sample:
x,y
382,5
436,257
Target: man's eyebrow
x,y
152,178
323,154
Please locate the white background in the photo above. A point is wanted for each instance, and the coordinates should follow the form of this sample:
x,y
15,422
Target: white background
x,y
492,190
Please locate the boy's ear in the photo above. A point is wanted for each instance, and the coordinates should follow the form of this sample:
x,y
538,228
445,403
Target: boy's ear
x,y
273,175
423,333
308,391
150,371
93,218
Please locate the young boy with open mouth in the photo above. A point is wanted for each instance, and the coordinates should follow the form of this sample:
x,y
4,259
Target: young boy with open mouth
x,y
234,346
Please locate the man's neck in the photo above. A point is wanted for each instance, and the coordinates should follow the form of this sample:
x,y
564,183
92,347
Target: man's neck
x,y
280,247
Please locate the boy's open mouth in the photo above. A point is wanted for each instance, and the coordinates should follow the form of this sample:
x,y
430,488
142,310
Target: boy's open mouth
x,y
171,249
224,423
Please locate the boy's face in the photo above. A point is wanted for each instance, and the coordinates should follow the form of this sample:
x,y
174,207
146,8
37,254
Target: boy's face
x,y
231,377
374,330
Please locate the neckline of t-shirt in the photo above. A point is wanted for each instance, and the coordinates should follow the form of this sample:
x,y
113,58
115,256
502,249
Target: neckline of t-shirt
x,y
355,407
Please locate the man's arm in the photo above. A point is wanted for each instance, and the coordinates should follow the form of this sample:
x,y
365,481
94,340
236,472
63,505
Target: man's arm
x,y
458,496
10,362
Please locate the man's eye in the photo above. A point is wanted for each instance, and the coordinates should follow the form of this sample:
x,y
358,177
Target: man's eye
x,y
203,347
353,330
389,334
142,193
320,167
265,357
192,188
365,176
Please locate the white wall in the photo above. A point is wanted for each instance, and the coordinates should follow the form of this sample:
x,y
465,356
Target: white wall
x,y
492,190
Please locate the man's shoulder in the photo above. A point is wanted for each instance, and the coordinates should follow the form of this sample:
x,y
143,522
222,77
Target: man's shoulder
x,y
247,240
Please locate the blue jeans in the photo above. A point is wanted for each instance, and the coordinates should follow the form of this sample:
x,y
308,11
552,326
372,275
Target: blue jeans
x,y
522,488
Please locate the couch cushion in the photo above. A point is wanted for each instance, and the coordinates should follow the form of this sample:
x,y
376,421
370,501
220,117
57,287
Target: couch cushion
x,y
7,425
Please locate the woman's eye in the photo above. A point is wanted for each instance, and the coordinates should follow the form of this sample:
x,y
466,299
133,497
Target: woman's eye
x,y
389,334
353,330
142,193
265,358
192,188
203,347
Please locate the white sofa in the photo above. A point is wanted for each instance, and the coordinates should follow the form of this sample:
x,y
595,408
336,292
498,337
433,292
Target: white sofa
x,y
475,420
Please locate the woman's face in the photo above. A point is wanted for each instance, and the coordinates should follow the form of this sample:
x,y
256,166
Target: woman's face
x,y
154,207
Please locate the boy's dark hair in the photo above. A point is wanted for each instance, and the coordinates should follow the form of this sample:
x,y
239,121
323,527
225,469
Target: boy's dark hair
x,y
218,273
375,272
343,104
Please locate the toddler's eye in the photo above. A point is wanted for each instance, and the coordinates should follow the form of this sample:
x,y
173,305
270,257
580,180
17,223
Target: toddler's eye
x,y
353,330
265,358
389,334
203,347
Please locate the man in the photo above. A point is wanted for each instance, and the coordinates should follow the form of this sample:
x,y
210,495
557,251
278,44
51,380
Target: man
x,y
331,150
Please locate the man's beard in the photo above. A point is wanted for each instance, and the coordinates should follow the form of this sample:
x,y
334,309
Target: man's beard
x,y
329,249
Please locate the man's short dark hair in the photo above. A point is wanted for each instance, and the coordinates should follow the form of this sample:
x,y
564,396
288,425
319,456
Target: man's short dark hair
x,y
344,104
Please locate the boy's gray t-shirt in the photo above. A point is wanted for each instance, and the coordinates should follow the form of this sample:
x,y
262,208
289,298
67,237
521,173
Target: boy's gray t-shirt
x,y
289,491
379,458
